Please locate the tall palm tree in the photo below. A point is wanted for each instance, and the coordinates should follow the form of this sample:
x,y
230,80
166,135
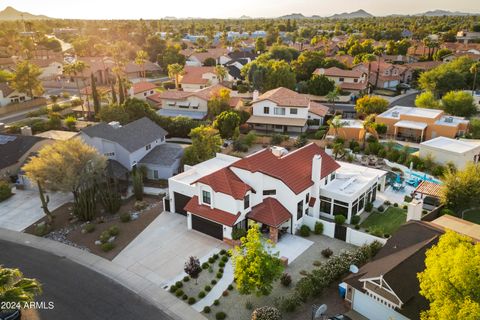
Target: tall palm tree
x,y
378,52
474,70
15,288
74,70
140,60
369,126
175,71
221,72
336,123
369,58
332,96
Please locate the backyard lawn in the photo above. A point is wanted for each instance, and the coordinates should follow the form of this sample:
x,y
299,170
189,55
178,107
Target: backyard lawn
x,y
472,216
380,223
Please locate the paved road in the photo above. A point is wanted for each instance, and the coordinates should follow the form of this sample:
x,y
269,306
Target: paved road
x,y
406,101
77,292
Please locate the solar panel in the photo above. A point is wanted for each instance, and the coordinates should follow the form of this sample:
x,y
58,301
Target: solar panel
x,y
6,139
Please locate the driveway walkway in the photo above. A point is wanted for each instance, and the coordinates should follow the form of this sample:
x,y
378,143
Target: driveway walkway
x,y
24,208
160,251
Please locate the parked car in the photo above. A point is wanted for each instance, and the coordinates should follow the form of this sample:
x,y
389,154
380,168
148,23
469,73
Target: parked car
x,y
10,315
339,317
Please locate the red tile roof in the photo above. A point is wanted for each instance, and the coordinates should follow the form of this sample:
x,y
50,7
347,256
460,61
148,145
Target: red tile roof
x,y
270,212
429,188
142,86
294,169
337,72
193,75
204,94
318,109
225,181
216,215
285,97
353,86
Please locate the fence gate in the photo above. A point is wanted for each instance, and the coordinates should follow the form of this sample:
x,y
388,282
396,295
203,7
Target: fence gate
x,y
340,232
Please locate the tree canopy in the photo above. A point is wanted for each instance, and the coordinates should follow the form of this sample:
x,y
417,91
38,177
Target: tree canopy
x,y
461,189
459,103
427,100
25,79
370,105
227,124
206,143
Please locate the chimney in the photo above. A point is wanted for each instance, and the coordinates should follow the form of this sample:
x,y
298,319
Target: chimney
x,y
26,131
415,208
255,95
115,124
316,169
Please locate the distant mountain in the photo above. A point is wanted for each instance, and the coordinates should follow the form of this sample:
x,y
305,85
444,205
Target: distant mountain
x,y
293,16
439,13
10,14
244,17
352,15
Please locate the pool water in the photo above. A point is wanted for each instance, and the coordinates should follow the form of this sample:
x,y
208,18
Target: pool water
x,y
399,147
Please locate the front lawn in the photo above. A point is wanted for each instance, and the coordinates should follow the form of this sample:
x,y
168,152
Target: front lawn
x,y
385,223
472,216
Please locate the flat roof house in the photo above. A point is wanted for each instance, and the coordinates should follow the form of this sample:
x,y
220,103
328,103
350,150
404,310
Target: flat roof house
x,y
445,150
282,110
141,142
419,124
273,190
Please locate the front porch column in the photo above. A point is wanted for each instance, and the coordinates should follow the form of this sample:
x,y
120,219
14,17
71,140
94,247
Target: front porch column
x,y
395,133
421,136
273,234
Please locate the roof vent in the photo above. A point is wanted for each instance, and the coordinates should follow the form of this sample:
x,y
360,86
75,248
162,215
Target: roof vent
x,y
115,124
449,119
395,114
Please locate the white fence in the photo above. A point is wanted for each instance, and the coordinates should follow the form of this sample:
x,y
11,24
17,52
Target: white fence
x,y
354,237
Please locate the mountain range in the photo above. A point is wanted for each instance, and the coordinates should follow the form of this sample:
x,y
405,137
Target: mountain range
x,y
364,14
10,14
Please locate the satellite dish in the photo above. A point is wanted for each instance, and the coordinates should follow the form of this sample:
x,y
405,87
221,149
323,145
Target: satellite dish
x,y
353,268
320,311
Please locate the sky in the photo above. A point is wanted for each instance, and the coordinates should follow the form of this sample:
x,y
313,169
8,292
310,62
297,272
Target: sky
x,y
155,9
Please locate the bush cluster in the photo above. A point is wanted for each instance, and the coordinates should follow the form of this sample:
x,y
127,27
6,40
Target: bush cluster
x,y
304,231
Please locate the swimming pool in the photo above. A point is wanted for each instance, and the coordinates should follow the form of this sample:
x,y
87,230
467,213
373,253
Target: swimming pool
x,y
399,147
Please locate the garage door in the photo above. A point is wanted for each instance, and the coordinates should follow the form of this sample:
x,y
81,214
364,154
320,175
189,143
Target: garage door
x,y
208,227
180,202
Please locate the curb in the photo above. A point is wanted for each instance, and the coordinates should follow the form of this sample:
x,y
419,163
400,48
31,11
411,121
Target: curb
x,y
146,289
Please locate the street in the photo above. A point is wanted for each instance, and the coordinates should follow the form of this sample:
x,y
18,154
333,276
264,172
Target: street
x,y
76,291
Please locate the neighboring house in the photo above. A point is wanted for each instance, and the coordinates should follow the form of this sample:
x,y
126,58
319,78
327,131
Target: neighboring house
x,y
197,59
51,68
283,110
235,67
15,150
138,143
423,65
445,150
452,56
135,71
271,189
352,129
142,90
184,103
100,67
58,135
348,80
389,75
197,78
467,36
419,124
9,95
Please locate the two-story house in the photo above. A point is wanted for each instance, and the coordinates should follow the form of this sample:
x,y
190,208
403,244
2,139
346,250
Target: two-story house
x,y
419,124
283,110
197,78
348,80
389,75
138,143
273,189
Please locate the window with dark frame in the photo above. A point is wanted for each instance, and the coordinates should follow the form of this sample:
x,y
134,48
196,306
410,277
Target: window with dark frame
x,y
270,192
299,210
246,202
206,198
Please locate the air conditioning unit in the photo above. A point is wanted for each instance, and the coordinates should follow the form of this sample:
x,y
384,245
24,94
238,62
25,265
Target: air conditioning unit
x,y
395,114
449,119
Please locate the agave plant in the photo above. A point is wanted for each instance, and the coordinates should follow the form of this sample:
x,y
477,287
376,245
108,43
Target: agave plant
x,y
14,287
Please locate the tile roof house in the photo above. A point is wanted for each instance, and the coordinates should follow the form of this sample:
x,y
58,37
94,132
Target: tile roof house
x,y
283,110
9,95
142,90
389,75
226,193
141,142
348,80
197,78
197,59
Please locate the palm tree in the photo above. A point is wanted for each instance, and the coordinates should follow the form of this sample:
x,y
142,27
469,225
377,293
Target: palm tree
x,y
378,52
474,70
140,60
15,288
332,96
175,71
369,58
369,127
221,72
338,150
336,123
73,70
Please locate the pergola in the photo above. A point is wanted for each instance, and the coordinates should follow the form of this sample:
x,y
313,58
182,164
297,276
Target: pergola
x,y
271,213
411,125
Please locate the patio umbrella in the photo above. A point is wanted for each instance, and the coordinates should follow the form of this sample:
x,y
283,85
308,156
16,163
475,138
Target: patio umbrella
x,y
398,179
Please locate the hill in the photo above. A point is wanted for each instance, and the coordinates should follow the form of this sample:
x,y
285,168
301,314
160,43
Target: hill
x,y
352,15
10,14
440,13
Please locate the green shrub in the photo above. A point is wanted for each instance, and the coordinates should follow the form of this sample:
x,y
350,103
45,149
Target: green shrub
x,y
207,309
395,205
230,287
114,231
184,297
387,203
41,229
208,288
107,246
178,284
286,279
355,219
357,227
318,228
407,199
339,219
205,265
424,211
278,139
238,233
173,289
224,259
104,236
405,207
266,313
89,228
327,253
223,252
201,295
248,305
211,260
216,302
304,231
381,209
447,211
125,217
213,282
219,275
215,256
179,292
186,279
220,315
5,190
220,270
368,207
191,300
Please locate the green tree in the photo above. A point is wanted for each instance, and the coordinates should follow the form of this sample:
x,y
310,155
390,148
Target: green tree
x,y
333,95
218,103
221,72
459,103
74,70
450,281
427,100
15,288
206,143
369,126
307,63
154,47
174,72
255,269
475,128
336,123
172,55
461,188
260,45
473,70
227,124
25,79
369,58
320,85
95,96
370,105
140,60
5,76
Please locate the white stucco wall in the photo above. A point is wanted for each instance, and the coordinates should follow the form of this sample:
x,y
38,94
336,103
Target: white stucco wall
x,y
257,109
372,309
442,156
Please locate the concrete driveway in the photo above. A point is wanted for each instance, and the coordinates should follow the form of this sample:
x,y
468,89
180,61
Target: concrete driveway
x,y
24,208
160,251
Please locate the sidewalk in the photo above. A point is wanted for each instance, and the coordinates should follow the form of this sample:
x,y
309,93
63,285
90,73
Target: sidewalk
x,y
146,289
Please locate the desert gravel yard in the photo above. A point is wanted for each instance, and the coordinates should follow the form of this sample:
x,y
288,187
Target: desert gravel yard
x,y
239,307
